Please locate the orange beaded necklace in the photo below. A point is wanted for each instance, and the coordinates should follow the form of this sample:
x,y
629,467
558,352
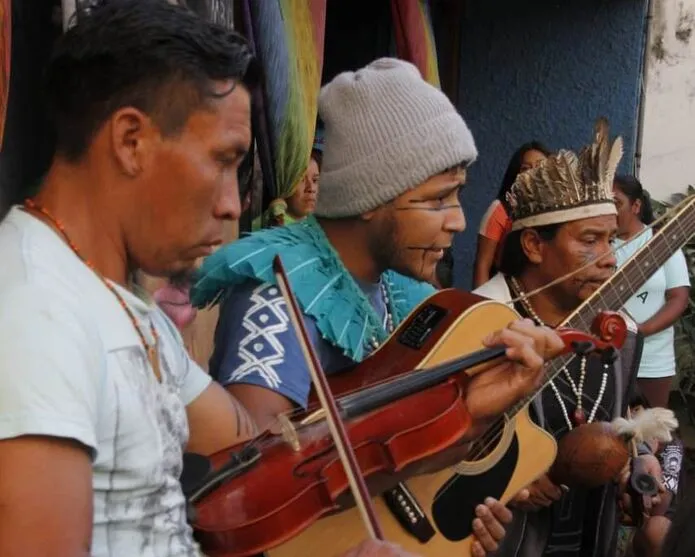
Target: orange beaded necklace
x,y
152,350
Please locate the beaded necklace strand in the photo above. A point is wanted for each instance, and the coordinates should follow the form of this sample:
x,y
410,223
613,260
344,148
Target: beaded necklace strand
x,y
152,350
579,416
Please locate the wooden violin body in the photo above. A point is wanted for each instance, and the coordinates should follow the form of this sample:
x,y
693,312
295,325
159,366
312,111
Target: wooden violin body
x,y
302,485
298,478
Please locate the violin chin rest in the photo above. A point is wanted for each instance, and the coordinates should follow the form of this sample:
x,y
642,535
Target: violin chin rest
x,y
196,467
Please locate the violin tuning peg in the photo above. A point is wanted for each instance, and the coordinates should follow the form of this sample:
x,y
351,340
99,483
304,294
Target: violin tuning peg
x,y
582,348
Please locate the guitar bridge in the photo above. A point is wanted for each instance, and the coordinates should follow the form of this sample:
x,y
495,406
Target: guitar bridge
x,y
405,508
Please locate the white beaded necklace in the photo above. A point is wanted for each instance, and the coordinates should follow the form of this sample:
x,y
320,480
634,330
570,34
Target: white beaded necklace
x,y
579,416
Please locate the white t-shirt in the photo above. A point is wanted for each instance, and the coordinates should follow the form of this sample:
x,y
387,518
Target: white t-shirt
x,y
73,366
658,354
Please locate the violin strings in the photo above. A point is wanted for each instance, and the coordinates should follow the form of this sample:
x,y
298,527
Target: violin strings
x,y
489,438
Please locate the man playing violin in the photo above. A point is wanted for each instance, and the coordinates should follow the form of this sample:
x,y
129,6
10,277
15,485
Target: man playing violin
x,y
395,158
99,399
564,219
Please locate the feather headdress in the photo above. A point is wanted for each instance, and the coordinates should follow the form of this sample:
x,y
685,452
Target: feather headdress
x,y
567,186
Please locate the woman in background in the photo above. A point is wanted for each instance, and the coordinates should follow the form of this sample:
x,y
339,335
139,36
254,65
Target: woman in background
x,y
658,304
302,202
496,222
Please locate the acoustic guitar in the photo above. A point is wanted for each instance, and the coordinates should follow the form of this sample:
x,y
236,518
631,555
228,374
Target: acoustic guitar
x,y
432,515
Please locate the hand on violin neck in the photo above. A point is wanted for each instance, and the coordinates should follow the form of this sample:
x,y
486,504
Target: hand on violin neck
x,y
529,346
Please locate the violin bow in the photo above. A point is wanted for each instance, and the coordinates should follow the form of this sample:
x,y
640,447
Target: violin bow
x,y
325,396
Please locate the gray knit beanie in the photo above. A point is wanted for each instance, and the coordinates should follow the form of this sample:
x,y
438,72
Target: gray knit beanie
x,y
386,131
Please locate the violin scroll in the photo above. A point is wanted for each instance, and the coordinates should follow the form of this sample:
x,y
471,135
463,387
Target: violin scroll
x,y
609,333
611,327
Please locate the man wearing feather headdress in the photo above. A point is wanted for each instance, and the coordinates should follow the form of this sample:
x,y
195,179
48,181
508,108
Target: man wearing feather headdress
x,y
395,157
564,219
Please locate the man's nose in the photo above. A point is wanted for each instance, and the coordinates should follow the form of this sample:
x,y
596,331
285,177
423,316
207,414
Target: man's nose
x,y
455,221
228,206
607,258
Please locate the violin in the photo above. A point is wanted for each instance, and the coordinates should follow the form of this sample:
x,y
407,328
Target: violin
x,y
402,408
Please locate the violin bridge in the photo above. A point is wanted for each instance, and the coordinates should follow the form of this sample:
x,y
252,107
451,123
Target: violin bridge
x,y
289,433
314,417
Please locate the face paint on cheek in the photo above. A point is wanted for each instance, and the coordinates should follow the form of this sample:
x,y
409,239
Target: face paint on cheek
x,y
587,278
586,256
424,251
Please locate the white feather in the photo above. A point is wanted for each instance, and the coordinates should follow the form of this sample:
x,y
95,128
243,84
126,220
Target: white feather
x,y
652,423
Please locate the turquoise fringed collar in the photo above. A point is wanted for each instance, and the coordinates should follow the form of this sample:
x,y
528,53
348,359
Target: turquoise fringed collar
x,y
324,288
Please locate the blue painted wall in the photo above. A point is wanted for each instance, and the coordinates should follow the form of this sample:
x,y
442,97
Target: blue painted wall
x,y
542,70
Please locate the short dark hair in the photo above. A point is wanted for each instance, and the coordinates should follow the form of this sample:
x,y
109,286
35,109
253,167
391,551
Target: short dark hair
x,y
318,157
148,54
514,260
514,167
632,189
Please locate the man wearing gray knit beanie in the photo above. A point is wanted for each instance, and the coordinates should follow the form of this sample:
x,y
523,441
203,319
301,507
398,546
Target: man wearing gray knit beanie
x,y
395,156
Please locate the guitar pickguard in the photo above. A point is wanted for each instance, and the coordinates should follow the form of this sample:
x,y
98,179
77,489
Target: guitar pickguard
x,y
453,509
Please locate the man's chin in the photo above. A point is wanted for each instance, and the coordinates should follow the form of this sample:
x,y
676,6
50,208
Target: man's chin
x,y
426,274
588,289
179,273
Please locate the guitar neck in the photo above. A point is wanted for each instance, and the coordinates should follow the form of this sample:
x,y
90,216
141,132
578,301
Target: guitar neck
x,y
617,290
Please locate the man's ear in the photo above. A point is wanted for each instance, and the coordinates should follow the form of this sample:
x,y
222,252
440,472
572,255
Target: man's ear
x,y
369,215
532,245
132,134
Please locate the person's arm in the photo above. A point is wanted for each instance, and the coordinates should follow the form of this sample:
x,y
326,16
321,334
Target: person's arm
x,y
677,295
264,405
257,356
217,421
50,372
484,260
492,230
45,498
670,312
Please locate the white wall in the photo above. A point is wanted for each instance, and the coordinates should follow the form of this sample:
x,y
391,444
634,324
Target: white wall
x,y
668,144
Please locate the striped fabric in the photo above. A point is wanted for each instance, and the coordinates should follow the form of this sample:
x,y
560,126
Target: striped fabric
x,y
289,37
415,37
